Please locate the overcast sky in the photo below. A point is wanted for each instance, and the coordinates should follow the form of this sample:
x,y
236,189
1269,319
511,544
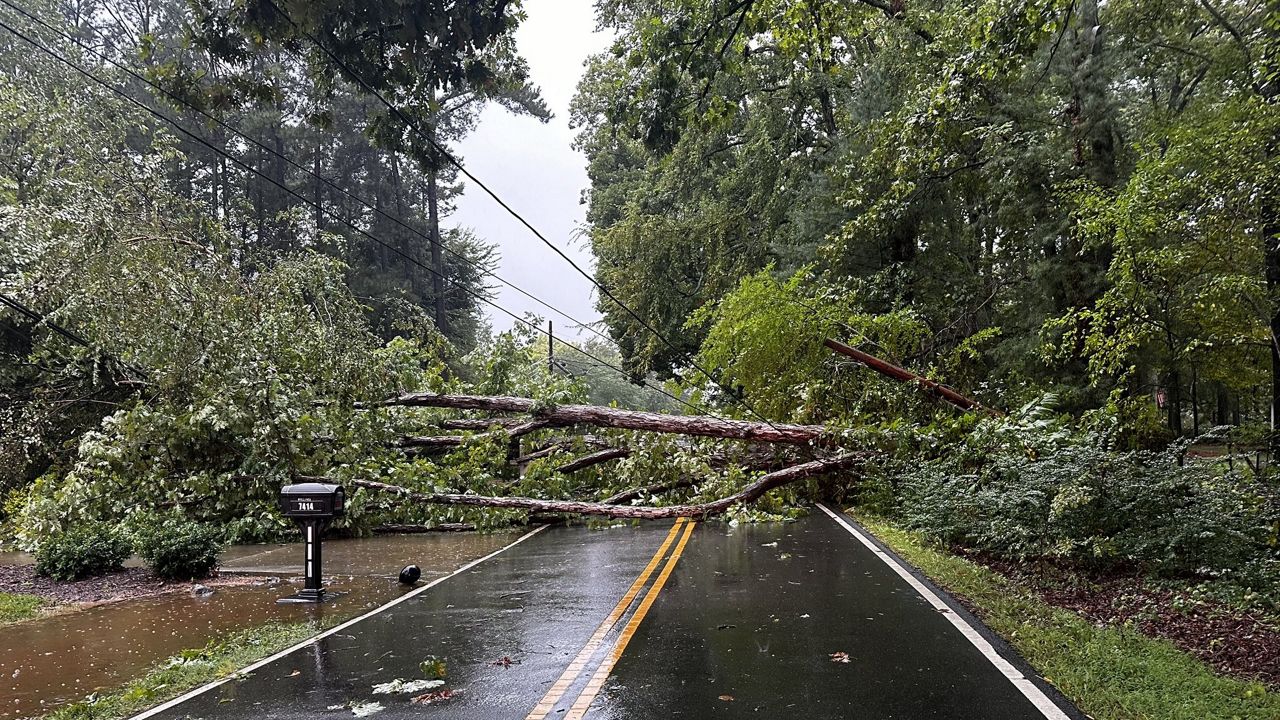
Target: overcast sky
x,y
533,168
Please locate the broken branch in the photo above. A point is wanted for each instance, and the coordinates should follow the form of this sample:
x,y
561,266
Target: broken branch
x,y
889,370
595,458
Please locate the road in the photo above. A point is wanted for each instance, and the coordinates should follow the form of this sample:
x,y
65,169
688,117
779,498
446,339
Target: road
x,y
810,619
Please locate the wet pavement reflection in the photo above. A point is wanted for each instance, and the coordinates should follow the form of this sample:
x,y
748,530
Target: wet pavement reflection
x,y
55,660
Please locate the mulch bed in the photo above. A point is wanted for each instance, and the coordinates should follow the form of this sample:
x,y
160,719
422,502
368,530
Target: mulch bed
x,y
125,584
1241,644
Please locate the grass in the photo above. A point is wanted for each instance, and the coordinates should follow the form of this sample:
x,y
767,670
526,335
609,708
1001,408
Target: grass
x,y
15,607
188,669
1111,673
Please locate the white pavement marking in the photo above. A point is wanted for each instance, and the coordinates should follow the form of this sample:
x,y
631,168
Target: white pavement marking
x,y
382,608
1047,707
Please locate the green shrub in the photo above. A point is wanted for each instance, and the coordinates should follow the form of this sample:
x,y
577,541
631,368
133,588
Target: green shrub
x,y
178,549
81,552
1070,497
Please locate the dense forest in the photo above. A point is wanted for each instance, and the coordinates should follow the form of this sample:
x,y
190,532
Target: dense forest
x,y
1073,197
226,238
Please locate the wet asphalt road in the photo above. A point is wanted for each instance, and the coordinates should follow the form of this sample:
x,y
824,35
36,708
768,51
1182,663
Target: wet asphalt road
x,y
684,620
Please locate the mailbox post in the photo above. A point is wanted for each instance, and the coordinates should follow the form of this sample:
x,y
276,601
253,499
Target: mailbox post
x,y
312,505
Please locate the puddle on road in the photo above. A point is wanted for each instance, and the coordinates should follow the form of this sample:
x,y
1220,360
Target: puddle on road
x,y
60,659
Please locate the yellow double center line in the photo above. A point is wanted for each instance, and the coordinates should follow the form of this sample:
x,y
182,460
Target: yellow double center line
x,y
571,673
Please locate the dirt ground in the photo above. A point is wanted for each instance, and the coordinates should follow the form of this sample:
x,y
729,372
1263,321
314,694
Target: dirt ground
x,y
122,585
1237,643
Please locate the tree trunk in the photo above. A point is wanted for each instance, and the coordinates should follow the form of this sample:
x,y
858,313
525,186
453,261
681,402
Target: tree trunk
x,y
437,256
1195,403
317,191
1175,402
567,415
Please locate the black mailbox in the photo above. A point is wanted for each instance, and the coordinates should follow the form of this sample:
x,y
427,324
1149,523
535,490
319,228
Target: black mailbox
x,y
312,505
318,500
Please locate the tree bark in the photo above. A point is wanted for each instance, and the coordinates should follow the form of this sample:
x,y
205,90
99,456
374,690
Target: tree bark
x,y
931,387
595,458
567,415
748,494
437,257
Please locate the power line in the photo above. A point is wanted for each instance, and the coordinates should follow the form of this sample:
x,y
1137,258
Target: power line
x,y
39,319
444,153
305,201
302,168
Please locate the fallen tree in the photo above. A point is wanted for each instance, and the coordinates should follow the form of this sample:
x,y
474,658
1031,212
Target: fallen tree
x,y
748,494
546,416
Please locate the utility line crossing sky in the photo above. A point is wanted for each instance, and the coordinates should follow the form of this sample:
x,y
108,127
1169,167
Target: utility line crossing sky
x,y
534,168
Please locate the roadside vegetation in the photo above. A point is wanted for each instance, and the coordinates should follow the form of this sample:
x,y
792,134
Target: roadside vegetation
x,y
1108,671
18,606
188,670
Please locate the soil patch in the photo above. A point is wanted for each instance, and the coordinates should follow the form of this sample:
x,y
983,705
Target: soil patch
x,y
1237,643
122,585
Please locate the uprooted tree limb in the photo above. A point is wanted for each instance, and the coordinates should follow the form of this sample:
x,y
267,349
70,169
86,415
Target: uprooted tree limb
x,y
931,387
750,493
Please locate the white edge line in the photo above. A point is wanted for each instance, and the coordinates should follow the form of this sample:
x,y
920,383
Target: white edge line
x,y
311,641
1047,707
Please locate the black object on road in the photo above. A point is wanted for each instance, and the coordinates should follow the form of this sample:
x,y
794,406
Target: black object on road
x,y
313,505
410,574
